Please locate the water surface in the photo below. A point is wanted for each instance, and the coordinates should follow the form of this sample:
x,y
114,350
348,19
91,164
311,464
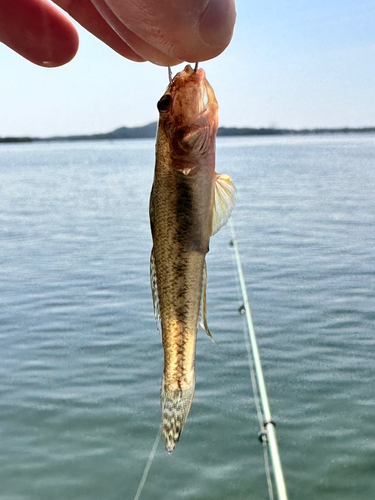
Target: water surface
x,y
81,359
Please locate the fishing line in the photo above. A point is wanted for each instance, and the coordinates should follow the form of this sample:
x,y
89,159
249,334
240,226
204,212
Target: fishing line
x,y
148,465
268,432
254,383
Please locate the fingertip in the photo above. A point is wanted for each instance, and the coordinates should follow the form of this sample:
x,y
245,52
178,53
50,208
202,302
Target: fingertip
x,y
62,45
217,24
206,37
38,32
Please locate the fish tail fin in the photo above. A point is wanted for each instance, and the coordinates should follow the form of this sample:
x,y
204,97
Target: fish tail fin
x,y
175,405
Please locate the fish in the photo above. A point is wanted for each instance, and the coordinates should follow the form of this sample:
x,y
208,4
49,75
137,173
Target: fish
x,y
189,203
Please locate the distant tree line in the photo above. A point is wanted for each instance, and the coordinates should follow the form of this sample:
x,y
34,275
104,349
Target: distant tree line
x,y
149,132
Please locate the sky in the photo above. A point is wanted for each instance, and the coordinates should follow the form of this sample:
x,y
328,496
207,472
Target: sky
x,y
291,64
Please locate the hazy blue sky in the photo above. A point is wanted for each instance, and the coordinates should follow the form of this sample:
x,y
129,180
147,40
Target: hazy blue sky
x,y
291,63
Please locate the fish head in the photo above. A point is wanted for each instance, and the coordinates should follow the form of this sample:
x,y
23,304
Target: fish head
x,y
189,112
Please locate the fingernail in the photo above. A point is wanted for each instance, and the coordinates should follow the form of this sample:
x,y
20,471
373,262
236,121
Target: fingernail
x,y
217,23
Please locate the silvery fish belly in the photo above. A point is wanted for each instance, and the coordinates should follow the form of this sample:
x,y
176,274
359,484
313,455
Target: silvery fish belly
x,y
189,203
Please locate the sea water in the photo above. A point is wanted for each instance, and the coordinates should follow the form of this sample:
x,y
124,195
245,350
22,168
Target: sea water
x,y
81,358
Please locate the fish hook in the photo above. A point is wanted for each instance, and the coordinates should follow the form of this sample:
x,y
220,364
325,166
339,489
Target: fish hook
x,y
170,74
195,67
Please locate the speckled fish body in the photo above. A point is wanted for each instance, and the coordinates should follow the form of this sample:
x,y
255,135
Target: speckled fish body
x,y
189,202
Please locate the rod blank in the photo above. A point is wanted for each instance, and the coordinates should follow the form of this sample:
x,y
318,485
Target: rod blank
x,y
269,426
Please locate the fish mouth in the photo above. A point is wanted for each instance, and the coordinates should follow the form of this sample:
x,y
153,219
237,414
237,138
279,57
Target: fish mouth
x,y
201,93
200,75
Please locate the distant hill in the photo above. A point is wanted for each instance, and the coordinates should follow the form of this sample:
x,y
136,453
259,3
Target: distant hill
x,y
149,132
145,132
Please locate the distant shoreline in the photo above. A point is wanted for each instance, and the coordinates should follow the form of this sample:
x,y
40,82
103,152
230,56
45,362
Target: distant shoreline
x,y
149,132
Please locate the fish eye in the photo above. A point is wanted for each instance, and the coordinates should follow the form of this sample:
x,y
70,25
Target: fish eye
x,y
164,103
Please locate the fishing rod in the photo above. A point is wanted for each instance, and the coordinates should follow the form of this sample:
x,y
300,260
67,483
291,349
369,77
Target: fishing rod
x,y
268,430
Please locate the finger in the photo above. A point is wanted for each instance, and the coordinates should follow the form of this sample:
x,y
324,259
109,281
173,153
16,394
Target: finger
x,y
192,30
141,47
37,31
84,12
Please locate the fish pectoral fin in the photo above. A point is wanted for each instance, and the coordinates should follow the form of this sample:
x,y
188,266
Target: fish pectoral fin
x,y
203,307
154,289
224,201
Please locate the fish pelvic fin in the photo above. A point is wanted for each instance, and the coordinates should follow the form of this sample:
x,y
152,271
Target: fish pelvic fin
x,y
224,201
175,410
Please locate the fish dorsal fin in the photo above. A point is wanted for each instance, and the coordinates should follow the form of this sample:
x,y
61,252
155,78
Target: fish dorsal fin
x,y
223,203
203,307
154,289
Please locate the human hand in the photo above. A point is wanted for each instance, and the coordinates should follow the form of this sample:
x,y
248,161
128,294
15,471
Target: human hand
x,y
164,32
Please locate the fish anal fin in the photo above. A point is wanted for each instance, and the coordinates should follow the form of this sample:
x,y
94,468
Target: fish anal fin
x,y
203,307
154,289
224,201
